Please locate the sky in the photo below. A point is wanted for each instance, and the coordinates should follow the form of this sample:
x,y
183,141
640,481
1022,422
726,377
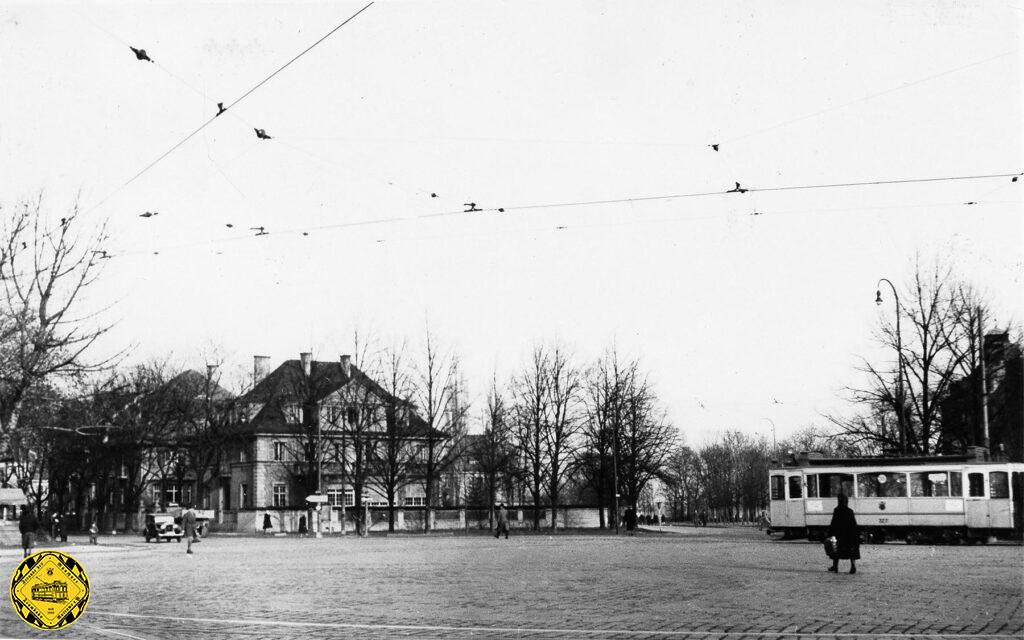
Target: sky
x,y
749,310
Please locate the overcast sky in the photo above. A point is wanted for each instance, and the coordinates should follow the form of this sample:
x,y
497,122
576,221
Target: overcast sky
x,y
741,319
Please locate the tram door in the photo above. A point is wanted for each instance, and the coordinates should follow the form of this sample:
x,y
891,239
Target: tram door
x,y
795,499
976,504
1017,487
999,500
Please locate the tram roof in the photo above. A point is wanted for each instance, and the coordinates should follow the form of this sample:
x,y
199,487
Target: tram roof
x,y
888,461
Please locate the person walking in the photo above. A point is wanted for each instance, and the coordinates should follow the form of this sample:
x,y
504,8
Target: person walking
x,y
94,531
630,520
267,525
844,528
27,524
188,523
502,521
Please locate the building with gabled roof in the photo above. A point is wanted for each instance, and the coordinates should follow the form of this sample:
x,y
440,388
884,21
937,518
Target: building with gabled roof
x,y
320,426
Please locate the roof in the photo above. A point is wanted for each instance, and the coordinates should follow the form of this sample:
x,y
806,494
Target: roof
x,y
288,383
195,383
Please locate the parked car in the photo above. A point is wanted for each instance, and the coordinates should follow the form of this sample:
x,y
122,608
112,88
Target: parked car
x,y
161,526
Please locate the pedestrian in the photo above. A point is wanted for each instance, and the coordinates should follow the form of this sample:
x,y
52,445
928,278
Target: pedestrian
x,y
188,523
844,528
630,520
502,521
267,525
94,531
27,524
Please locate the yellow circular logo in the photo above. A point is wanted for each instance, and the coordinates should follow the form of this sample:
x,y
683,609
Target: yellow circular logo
x,y
50,590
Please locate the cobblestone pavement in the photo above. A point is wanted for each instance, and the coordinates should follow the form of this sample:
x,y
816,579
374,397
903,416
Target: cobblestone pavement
x,y
687,583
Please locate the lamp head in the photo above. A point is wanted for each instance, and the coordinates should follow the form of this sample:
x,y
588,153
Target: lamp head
x,y
878,296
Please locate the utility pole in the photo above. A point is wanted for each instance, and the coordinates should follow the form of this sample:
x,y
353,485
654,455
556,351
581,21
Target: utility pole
x,y
984,385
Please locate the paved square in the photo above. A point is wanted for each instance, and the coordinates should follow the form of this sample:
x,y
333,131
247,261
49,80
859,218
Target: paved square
x,y
700,583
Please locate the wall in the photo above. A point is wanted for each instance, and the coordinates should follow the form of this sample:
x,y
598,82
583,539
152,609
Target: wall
x,y
409,520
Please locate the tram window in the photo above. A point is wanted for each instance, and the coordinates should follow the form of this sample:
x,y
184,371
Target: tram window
x,y
881,484
977,485
929,484
794,487
831,485
998,485
778,488
956,484
812,486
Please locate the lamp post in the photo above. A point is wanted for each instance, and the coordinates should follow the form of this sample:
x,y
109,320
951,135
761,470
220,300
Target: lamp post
x,y
899,363
775,448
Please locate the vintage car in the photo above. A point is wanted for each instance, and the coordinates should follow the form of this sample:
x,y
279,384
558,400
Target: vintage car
x,y
161,526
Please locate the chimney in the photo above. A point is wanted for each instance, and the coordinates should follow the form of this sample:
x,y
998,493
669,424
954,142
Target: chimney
x,y
307,362
346,365
259,368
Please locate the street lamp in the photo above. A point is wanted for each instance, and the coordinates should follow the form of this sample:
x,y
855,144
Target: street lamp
x,y
899,363
775,449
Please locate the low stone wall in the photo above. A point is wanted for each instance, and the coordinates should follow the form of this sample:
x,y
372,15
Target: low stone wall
x,y
407,519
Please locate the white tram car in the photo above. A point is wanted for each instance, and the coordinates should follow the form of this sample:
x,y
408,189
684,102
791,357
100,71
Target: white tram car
x,y
950,498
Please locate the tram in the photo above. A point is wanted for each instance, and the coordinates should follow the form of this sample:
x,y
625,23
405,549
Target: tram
x,y
56,591
916,499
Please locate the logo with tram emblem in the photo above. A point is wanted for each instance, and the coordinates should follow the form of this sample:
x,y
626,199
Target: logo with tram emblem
x,y
49,590
881,506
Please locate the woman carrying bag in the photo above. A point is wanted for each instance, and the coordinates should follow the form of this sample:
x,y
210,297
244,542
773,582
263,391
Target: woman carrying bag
x,y
847,537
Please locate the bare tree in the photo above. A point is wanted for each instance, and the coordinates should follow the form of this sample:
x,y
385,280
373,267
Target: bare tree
x,y
561,422
492,452
601,405
936,344
530,407
45,269
437,396
392,451
646,439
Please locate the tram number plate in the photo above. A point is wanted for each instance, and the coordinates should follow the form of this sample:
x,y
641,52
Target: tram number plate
x,y
883,520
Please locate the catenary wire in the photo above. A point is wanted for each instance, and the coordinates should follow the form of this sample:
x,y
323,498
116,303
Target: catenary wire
x,y
228,108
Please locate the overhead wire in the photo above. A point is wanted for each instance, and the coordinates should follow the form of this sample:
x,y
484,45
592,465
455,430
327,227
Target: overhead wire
x,y
306,230
228,108
871,96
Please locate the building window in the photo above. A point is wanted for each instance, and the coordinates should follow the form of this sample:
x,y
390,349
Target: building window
x,y
280,494
292,415
171,493
337,497
415,501
242,454
243,495
333,415
278,451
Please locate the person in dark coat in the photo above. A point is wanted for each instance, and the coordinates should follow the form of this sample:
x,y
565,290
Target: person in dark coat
x,y
844,528
27,524
630,520
267,525
502,521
